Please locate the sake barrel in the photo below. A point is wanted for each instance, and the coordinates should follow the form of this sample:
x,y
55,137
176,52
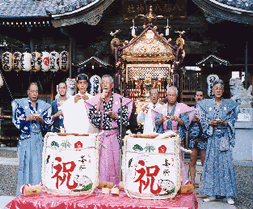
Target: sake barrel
x,y
151,166
70,164
95,87
17,61
64,61
54,61
7,61
26,59
36,61
45,61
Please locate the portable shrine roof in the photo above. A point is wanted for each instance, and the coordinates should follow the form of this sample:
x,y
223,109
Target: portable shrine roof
x,y
60,12
149,46
94,60
211,59
240,11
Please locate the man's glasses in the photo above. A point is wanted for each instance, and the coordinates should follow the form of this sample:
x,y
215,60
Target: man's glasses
x,y
217,88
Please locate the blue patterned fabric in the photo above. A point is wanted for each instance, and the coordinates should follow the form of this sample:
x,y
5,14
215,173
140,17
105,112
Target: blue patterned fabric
x,y
58,122
30,141
181,129
198,139
218,177
198,145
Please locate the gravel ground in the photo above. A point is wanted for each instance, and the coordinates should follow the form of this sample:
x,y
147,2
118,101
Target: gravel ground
x,y
244,181
8,153
8,180
244,176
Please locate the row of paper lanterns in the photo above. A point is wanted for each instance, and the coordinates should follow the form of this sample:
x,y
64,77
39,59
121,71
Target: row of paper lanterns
x,y
35,61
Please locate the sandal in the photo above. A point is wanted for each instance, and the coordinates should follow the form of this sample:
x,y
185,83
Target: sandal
x,y
209,199
230,201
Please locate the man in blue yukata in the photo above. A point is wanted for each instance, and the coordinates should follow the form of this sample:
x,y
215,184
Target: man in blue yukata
x,y
175,117
57,106
30,116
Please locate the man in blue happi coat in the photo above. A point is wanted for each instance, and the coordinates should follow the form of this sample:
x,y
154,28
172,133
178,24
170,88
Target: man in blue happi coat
x,y
30,116
57,106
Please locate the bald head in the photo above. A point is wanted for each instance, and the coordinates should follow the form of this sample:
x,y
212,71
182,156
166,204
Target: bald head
x,y
154,95
33,92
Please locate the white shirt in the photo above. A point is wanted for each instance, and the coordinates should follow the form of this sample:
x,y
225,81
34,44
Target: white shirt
x,y
149,124
76,119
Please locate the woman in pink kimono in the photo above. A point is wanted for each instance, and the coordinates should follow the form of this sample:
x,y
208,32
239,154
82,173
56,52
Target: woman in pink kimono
x,y
104,113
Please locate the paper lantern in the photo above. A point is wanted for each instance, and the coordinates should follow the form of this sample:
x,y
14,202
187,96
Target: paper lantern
x,y
7,61
54,61
45,61
17,61
36,61
64,61
26,59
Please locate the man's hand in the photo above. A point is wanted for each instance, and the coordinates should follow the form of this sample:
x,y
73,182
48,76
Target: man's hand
x,y
213,122
30,118
34,117
222,122
103,95
85,97
113,115
77,98
177,119
57,115
145,108
40,119
162,119
195,119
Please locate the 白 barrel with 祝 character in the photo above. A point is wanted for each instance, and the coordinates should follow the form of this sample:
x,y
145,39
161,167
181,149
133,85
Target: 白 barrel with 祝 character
x,y
151,165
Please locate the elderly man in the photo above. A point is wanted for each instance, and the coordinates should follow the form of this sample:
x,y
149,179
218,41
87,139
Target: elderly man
x,y
104,113
173,116
145,113
30,116
74,111
57,114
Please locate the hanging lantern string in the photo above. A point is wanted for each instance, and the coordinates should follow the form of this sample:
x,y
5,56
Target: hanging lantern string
x,y
6,85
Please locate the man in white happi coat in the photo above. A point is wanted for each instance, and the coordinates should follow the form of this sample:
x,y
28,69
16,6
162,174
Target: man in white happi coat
x,y
145,113
74,110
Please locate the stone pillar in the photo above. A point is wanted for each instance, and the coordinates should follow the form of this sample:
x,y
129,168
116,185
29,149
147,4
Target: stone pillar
x,y
243,150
